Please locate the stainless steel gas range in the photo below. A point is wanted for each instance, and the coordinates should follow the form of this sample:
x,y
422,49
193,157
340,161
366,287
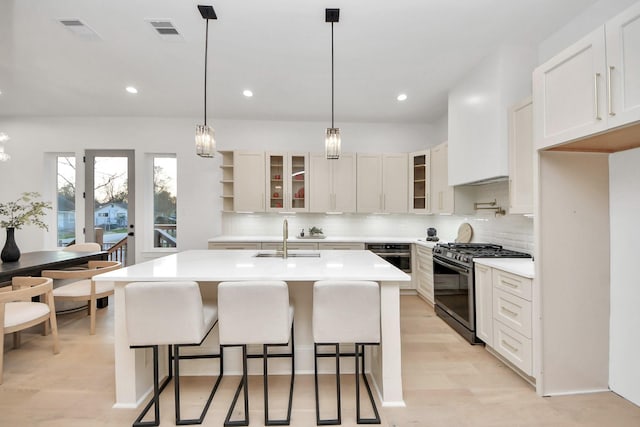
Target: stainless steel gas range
x,y
454,284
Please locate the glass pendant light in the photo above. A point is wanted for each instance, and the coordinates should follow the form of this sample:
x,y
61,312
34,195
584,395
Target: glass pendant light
x,y
3,156
3,138
332,138
205,142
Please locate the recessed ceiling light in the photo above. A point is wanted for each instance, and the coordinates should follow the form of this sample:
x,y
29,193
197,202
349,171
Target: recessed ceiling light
x,y
247,93
402,97
132,89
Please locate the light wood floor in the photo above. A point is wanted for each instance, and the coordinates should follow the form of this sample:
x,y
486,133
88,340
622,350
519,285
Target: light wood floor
x,y
447,382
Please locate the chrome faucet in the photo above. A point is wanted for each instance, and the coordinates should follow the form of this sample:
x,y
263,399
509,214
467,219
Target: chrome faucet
x,y
285,236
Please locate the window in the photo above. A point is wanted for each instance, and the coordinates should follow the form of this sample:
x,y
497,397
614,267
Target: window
x,y
164,201
66,199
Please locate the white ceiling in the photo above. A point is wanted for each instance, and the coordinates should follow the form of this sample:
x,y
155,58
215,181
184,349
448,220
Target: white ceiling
x,y
279,49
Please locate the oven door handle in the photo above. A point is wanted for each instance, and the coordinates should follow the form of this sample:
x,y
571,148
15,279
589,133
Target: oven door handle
x,y
386,254
454,267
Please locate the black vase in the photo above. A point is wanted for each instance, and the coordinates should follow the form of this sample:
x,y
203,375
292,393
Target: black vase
x,y
10,252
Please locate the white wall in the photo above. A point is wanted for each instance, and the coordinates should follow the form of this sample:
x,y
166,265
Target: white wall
x,y
624,200
580,26
441,129
198,179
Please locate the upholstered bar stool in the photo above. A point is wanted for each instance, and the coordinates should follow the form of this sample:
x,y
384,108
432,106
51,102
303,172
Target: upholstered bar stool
x,y
256,312
173,314
346,312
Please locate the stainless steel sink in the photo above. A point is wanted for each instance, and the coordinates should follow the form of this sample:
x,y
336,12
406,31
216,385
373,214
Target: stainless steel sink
x,y
291,254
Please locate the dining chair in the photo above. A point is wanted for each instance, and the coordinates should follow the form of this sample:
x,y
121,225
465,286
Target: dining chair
x,y
83,247
84,288
18,311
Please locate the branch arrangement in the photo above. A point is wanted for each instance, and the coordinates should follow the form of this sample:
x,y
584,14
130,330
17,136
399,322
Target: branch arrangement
x,y
24,211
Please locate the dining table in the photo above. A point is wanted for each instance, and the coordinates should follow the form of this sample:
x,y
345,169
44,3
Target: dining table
x,y
33,263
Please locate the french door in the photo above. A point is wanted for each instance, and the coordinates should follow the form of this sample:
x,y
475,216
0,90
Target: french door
x,y
110,201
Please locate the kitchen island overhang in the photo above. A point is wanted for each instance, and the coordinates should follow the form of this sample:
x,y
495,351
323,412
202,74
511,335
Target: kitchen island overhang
x,y
209,267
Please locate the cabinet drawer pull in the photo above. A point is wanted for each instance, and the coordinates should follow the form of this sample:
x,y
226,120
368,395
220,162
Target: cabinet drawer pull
x,y
595,85
509,312
509,284
509,346
609,95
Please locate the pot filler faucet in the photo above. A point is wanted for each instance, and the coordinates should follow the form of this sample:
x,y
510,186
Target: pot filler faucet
x,y
285,236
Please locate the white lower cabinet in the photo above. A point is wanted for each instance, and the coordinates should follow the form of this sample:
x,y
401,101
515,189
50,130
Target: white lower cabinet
x,y
231,245
423,272
290,246
340,246
484,303
503,315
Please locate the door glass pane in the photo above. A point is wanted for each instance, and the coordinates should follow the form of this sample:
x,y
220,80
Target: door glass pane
x,y
164,202
276,165
66,199
298,178
419,182
111,198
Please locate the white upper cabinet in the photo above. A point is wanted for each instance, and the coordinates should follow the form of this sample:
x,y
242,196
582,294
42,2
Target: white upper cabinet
x,y
286,179
332,183
442,193
382,183
590,87
477,123
623,62
369,183
569,93
521,158
395,183
248,173
420,182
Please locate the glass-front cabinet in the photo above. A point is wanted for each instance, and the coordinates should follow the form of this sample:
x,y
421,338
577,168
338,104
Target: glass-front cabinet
x,y
419,182
286,182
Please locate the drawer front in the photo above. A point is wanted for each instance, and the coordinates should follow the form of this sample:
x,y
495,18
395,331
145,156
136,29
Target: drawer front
x,y
512,311
512,283
251,245
341,246
513,346
290,246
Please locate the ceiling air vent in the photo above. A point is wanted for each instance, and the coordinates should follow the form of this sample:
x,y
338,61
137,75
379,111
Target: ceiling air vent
x,y
165,29
79,28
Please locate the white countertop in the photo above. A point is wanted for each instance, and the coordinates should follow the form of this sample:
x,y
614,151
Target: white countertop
x,y
521,266
331,239
219,265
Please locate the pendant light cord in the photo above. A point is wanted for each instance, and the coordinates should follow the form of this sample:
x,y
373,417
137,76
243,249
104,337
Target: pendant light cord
x,y
332,126
206,49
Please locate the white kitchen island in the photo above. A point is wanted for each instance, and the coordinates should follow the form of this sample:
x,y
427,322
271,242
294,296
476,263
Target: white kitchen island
x,y
209,267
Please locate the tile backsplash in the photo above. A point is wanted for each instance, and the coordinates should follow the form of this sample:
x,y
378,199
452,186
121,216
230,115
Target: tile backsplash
x,y
511,231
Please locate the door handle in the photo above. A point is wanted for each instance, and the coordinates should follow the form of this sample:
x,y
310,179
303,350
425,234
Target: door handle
x,y
610,70
131,234
596,100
